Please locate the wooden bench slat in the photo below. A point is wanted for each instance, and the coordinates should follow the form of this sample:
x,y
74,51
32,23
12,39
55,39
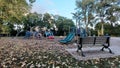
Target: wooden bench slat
x,y
100,40
88,40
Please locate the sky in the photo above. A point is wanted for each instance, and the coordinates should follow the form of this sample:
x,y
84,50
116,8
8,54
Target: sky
x,y
56,7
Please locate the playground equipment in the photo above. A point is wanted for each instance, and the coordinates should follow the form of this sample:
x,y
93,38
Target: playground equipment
x,y
35,34
82,32
73,31
68,38
27,34
49,34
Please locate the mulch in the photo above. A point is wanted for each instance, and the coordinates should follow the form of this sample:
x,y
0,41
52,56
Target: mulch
x,y
40,53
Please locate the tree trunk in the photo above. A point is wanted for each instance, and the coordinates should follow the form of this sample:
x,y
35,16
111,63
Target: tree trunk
x,y
18,32
102,29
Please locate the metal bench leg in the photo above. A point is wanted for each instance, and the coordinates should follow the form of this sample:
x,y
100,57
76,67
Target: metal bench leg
x,y
102,49
81,52
106,47
110,51
80,48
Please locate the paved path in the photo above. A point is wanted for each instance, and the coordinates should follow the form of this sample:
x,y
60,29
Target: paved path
x,y
95,53
115,45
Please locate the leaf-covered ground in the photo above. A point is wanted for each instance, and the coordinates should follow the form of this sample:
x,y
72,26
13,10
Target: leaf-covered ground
x,y
32,53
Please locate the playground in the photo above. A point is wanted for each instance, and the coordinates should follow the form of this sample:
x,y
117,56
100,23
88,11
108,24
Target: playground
x,y
19,52
46,50
41,50
59,34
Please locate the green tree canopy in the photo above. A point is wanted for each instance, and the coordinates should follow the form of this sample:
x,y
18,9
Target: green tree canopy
x,y
64,25
13,10
84,11
93,11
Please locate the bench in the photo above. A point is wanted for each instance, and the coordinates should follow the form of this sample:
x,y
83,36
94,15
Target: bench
x,y
102,40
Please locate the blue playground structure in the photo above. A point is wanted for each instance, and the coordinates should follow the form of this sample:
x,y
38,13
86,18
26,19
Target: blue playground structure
x,y
73,31
35,34
81,32
48,33
27,34
68,38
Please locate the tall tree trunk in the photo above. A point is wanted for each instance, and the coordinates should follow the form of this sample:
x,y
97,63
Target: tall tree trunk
x,y
111,29
102,29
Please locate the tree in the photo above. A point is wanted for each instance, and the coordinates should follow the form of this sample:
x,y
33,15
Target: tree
x,y
47,20
85,11
94,11
32,1
13,11
63,24
31,20
107,27
105,10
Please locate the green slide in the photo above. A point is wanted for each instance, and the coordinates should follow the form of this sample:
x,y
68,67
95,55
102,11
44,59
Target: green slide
x,y
68,38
